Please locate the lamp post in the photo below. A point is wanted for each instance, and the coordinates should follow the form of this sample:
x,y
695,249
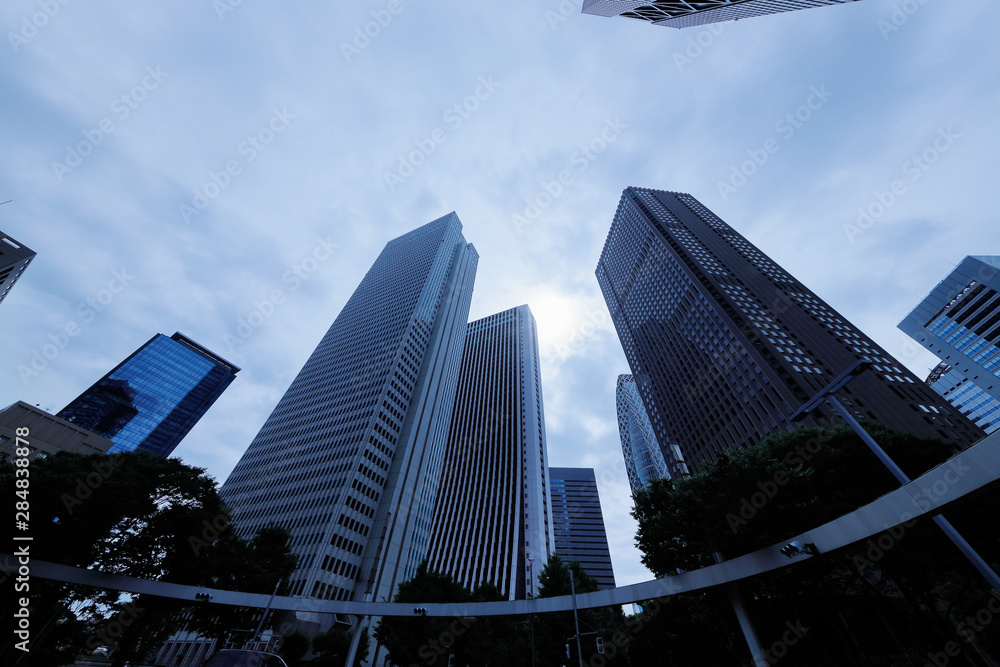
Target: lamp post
x,y
531,595
827,395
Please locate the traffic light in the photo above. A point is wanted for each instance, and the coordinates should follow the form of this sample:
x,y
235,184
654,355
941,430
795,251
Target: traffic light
x,y
600,646
568,656
420,611
204,597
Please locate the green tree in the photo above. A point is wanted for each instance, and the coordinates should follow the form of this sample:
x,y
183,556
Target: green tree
x,y
294,646
331,647
552,630
132,514
424,639
233,564
915,587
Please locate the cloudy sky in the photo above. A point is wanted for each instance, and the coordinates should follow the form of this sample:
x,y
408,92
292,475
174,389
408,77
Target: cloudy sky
x,y
205,154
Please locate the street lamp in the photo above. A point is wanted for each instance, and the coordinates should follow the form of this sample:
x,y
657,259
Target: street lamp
x,y
827,395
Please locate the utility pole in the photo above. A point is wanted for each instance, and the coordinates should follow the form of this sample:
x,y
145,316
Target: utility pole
x,y
256,634
576,620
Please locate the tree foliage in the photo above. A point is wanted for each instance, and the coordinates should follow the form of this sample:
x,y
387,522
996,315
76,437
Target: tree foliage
x,y
331,647
136,515
910,581
425,640
553,630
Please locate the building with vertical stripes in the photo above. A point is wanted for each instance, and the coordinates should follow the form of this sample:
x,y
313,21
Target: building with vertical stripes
x,y
959,321
350,458
492,521
681,14
579,523
724,344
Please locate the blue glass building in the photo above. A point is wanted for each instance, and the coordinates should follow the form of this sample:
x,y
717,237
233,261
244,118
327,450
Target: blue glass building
x,y
959,321
579,524
150,401
970,399
644,460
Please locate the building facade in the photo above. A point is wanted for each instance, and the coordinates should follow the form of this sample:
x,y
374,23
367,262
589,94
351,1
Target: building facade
x,y
492,521
14,259
48,434
724,344
968,397
579,524
687,14
350,458
959,321
644,461
150,401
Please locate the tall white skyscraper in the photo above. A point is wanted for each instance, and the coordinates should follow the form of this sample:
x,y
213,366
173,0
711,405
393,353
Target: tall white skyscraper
x,y
492,521
349,461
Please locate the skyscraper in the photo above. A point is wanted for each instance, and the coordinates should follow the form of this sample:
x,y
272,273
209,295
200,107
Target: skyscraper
x,y
644,460
686,14
151,400
14,259
579,524
966,395
959,321
349,460
724,344
492,521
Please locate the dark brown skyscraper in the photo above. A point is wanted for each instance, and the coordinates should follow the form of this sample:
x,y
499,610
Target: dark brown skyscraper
x,y
724,344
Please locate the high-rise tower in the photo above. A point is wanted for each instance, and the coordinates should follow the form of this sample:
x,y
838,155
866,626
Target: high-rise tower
x,y
579,524
350,458
14,259
644,460
724,344
492,521
150,401
686,14
959,321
